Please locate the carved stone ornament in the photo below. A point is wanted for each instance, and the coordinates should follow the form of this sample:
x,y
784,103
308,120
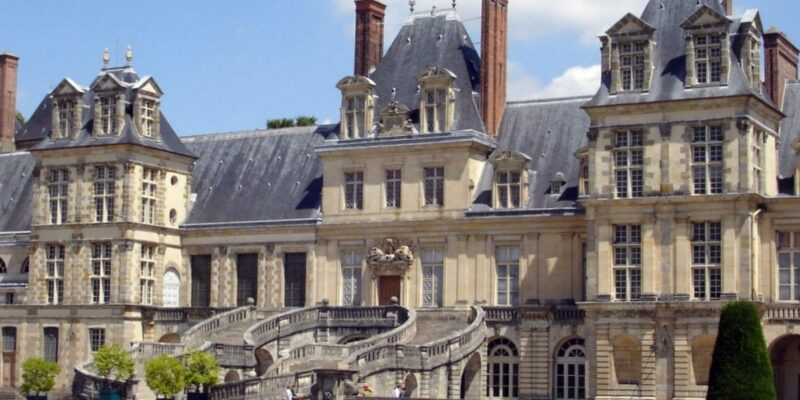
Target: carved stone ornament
x,y
391,257
395,120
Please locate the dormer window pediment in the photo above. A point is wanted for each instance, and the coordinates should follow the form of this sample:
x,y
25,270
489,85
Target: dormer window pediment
x,y
437,99
109,105
627,53
67,110
146,108
358,105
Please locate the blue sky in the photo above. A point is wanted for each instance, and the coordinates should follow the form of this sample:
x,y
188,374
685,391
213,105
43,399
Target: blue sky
x,y
231,65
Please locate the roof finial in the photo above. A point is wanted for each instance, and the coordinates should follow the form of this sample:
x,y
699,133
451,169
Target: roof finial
x,y
129,55
411,4
454,4
106,57
433,8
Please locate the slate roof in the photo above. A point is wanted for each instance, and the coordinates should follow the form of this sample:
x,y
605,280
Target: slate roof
x,y
257,177
38,129
431,41
790,129
549,132
669,58
16,191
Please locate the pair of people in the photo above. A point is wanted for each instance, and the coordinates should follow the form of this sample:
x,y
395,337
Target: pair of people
x,y
398,392
289,394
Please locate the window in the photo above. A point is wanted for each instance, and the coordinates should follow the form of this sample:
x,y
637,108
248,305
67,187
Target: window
x,y
707,159
432,278
509,194
631,56
148,117
9,298
571,370
627,262
394,183
3,268
149,193
146,277
50,344
585,178
108,115
246,278
354,190
355,107
435,110
26,266
351,277
101,273
201,281
702,352
507,276
104,180
503,370
628,162
707,260
758,159
434,186
55,274
788,266
9,339
66,117
97,338
627,360
708,58
59,190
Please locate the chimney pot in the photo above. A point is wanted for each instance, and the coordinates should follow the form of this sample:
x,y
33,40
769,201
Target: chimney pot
x,y
8,100
370,15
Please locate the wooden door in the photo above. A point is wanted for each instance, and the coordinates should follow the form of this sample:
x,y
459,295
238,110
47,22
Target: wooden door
x,y
388,287
9,368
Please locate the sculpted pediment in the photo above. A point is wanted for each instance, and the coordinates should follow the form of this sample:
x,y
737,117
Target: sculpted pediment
x,y
391,256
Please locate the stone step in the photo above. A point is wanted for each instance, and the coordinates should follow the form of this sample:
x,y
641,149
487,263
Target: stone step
x,y
436,324
10,393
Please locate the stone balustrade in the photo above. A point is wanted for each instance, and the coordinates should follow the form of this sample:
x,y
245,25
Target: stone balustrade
x,y
195,336
264,387
780,313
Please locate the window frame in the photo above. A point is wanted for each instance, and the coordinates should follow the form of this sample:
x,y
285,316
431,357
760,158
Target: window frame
x,y
757,155
67,108
393,188
108,115
635,70
354,108
503,369
706,271
506,267
506,181
101,259
147,274
97,339
432,261
54,346
433,181
149,195
148,120
787,244
631,151
353,190
627,262
710,62
58,195
713,150
104,192
352,270
54,273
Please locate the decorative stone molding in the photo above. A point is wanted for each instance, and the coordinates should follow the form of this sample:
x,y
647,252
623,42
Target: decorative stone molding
x,y
392,256
627,314
395,120
743,124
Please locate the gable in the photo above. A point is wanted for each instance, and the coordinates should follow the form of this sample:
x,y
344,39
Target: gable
x,y
66,88
705,17
149,86
630,25
107,82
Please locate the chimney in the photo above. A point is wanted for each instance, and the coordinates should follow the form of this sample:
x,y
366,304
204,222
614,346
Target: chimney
x,y
369,35
8,100
494,50
728,6
780,59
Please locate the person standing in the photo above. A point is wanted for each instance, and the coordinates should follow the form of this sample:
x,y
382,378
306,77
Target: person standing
x,y
397,392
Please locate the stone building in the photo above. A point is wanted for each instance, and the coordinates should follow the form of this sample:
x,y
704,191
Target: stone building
x,y
438,238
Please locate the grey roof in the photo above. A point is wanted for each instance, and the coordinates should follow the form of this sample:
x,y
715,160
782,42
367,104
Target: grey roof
x,y
431,41
549,132
16,191
257,177
669,58
790,129
38,129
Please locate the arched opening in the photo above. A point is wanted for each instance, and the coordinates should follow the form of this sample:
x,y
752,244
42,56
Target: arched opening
x,y
171,288
170,338
503,374
571,370
410,386
231,376
627,360
471,378
356,337
25,266
263,361
702,352
3,268
785,355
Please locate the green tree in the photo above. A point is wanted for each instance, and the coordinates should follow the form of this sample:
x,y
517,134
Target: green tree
x,y
306,120
740,369
113,363
38,376
280,123
202,370
20,118
165,375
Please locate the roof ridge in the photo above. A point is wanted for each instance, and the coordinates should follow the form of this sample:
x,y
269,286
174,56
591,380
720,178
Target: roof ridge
x,y
14,153
548,100
253,133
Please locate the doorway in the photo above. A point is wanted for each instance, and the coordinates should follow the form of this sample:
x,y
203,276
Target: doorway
x,y
246,278
388,287
9,347
785,355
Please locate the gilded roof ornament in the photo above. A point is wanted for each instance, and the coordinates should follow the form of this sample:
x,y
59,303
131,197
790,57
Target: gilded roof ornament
x,y
106,57
129,55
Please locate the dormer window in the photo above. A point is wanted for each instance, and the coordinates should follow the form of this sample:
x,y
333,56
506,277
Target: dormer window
x,y
108,115
358,102
355,107
557,183
629,59
511,179
632,65
66,118
708,58
66,110
437,100
146,115
707,43
509,194
148,118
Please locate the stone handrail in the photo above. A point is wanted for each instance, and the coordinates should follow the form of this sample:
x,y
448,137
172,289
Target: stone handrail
x,y
195,336
264,387
147,350
782,312
501,314
87,384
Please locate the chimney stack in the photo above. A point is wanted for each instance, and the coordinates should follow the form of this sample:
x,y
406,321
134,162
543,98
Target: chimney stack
x,y
780,59
8,100
494,50
369,35
728,6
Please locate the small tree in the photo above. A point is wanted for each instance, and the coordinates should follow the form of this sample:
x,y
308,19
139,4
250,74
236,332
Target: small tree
x,y
202,370
20,118
165,375
741,367
305,120
113,363
38,376
280,123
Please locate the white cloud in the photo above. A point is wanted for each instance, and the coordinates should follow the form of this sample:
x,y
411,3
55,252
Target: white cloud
x,y
575,81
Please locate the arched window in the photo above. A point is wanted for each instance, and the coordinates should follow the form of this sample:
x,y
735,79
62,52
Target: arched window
x,y
3,269
702,350
571,370
25,266
171,289
503,369
627,360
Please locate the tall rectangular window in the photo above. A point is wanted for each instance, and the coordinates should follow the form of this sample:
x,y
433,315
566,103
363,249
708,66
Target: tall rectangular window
x,y
627,249
628,163
758,159
66,115
246,278
355,109
394,184
354,190
788,244
149,195
58,189
432,278
147,280
351,277
707,177
50,344
435,110
707,260
9,339
201,281
148,117
101,273
55,274
708,58
108,115
104,181
97,338
507,276
434,186
631,57
509,193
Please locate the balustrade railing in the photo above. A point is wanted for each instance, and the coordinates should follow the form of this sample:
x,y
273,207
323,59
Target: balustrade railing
x,y
782,312
195,336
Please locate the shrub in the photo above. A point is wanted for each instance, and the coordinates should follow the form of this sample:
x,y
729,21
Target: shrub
x,y
202,369
165,375
38,376
113,363
740,367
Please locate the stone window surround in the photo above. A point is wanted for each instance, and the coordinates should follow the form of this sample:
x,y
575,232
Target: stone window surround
x,y
615,64
725,56
357,253
59,179
102,257
140,116
55,255
437,79
73,125
357,87
396,180
512,287
106,197
707,245
356,183
438,183
708,163
147,273
437,290
788,243
149,195
633,151
97,337
115,101
504,161
631,267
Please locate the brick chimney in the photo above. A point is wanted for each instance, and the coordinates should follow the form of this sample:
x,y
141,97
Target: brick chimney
x,y
780,59
494,51
8,100
728,6
369,35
